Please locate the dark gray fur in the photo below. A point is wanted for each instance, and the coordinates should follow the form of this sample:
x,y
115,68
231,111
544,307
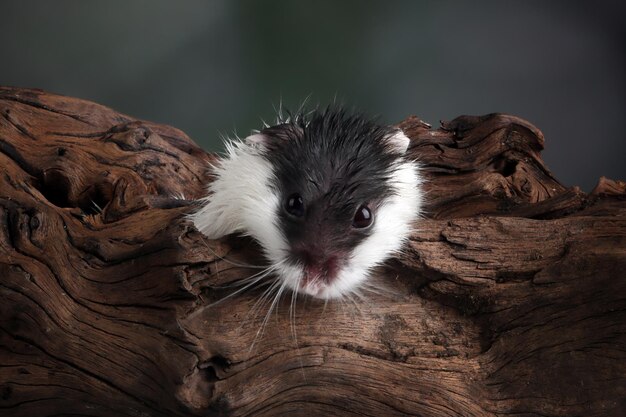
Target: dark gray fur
x,y
336,161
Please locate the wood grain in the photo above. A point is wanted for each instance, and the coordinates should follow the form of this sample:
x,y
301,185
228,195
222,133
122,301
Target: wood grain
x,y
510,299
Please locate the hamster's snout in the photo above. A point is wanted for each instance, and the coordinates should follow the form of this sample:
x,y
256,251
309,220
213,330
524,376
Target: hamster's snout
x,y
317,266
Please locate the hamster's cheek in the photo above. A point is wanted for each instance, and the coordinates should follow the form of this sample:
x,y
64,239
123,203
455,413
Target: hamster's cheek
x,y
259,219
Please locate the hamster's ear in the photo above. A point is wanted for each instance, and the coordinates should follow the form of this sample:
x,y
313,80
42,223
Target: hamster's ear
x,y
274,135
259,140
398,141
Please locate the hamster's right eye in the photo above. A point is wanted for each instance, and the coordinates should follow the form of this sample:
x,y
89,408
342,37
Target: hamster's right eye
x,y
294,205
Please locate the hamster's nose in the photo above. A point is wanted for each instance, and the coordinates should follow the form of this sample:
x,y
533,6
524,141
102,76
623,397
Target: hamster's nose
x,y
317,265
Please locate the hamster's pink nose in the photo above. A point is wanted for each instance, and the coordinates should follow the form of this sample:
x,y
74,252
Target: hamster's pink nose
x,y
318,266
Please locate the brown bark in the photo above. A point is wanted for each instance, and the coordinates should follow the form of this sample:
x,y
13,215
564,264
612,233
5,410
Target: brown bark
x,y
510,299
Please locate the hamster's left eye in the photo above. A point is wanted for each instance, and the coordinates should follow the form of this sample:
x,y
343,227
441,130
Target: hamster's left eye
x,y
363,217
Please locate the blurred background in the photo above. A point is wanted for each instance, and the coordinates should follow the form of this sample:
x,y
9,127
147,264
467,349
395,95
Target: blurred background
x,y
212,68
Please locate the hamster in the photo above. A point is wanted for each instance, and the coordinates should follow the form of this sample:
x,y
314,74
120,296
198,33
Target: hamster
x,y
328,195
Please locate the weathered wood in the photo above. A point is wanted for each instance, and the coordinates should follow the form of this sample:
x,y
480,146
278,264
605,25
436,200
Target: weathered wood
x,y
509,300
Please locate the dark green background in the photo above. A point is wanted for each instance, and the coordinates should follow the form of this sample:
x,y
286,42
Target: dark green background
x,y
216,67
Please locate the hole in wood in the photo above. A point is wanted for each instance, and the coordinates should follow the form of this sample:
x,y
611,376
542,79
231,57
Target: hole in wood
x,y
505,166
96,199
212,366
56,188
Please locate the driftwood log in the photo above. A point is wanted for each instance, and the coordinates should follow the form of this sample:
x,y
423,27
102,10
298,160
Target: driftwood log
x,y
510,299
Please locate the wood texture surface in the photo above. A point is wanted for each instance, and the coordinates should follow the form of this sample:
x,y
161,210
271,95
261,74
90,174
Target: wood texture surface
x,y
509,300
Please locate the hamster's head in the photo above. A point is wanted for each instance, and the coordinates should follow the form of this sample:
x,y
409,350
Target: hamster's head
x,y
328,196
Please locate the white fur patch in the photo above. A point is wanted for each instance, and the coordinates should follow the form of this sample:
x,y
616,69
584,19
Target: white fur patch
x,y
399,141
241,199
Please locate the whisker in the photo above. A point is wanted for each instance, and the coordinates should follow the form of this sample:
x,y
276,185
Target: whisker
x,y
342,302
360,296
267,316
96,207
356,305
263,298
241,265
380,290
261,276
357,291
240,282
292,315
